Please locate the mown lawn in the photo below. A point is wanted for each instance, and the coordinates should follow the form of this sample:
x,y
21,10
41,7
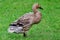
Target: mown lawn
x,y
47,29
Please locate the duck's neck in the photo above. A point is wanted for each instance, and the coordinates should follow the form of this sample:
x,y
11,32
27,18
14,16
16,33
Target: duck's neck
x,y
35,10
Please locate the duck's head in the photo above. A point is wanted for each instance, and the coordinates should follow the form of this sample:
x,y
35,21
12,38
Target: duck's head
x,y
36,6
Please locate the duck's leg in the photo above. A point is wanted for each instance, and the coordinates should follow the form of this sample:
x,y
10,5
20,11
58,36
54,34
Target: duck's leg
x,y
24,34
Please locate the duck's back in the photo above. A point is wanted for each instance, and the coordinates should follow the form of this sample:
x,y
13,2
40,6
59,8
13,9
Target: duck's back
x,y
26,19
27,15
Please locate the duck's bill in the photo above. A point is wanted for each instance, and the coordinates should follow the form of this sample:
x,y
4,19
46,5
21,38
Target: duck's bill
x,y
40,8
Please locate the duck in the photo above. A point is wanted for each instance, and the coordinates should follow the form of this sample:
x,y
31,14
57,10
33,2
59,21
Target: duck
x,y
24,23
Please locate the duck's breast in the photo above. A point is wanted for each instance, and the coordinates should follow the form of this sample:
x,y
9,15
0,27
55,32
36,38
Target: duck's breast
x,y
37,17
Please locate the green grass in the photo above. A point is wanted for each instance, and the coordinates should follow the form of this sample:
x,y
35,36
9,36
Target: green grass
x,y
47,29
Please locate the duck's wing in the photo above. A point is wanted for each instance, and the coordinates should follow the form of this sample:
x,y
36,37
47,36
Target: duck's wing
x,y
26,19
27,15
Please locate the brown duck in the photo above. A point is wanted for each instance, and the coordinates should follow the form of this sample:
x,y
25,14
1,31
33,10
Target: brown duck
x,y
23,24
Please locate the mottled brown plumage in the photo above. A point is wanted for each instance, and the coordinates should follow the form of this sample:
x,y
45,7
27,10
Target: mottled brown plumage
x,y
25,21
